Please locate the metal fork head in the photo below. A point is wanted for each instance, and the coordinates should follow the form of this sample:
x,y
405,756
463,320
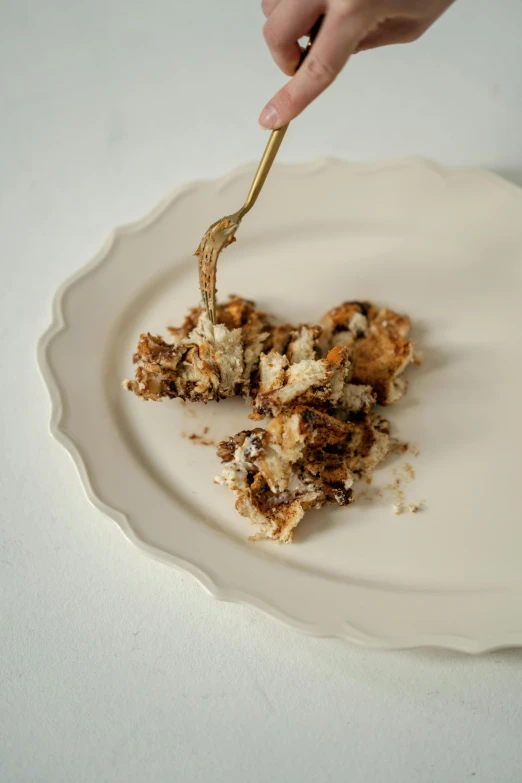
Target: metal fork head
x,y
217,238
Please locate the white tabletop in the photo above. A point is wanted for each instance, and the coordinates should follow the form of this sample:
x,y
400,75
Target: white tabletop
x,y
117,668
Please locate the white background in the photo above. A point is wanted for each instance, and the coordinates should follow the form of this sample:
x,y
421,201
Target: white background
x,y
117,668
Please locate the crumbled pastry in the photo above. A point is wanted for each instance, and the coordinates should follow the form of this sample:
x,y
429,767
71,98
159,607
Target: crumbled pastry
x,y
275,514
369,444
256,332
304,459
316,385
310,381
276,473
379,344
294,343
303,344
344,324
204,362
194,366
280,337
206,365
237,313
355,399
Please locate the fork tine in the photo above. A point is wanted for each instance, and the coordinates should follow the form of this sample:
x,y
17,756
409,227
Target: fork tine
x,y
209,251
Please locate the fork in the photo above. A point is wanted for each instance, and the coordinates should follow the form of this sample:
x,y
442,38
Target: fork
x,y
223,232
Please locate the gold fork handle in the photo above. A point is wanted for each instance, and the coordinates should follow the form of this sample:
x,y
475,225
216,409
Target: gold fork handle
x,y
274,142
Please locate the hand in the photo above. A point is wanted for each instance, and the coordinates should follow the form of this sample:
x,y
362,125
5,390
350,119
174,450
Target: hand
x,y
349,26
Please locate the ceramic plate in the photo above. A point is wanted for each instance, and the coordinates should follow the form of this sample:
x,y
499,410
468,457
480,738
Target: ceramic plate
x,y
443,246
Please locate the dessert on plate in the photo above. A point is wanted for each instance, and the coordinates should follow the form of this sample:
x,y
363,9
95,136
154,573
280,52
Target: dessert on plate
x,y
315,387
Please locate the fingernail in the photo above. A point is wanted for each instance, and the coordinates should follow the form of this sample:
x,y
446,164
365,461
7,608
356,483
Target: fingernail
x,y
269,117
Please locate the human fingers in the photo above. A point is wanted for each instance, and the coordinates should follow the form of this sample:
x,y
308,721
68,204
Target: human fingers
x,y
392,31
288,22
338,38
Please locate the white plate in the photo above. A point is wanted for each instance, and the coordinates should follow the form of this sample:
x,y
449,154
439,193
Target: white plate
x,y
443,246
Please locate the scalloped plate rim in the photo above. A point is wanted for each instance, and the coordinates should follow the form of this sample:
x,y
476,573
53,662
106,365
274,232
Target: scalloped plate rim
x,y
349,632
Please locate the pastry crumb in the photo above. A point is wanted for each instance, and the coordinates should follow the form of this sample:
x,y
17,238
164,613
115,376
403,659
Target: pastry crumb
x,y
398,447
201,439
413,508
409,471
